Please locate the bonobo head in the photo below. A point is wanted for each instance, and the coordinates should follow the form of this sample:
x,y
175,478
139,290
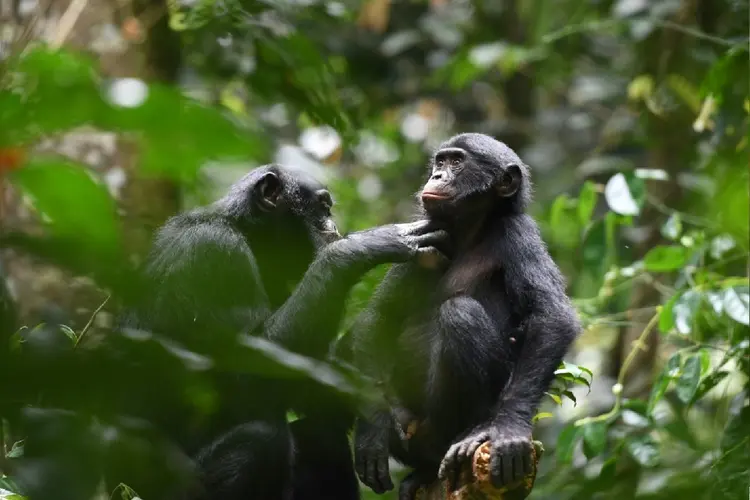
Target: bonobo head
x,y
473,174
285,215
289,203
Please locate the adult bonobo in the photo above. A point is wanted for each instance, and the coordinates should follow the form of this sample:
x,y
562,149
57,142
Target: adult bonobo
x,y
257,261
467,349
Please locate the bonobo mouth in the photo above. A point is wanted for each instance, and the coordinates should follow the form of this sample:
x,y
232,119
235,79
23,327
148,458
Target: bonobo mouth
x,y
432,195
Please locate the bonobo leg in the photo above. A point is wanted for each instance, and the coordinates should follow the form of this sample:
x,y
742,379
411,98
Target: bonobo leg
x,y
323,467
253,460
469,360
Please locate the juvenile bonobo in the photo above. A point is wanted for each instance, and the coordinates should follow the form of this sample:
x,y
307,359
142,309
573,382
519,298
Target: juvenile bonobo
x,y
264,260
468,348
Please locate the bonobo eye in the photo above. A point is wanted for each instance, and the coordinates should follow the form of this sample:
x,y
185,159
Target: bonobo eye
x,y
440,163
456,161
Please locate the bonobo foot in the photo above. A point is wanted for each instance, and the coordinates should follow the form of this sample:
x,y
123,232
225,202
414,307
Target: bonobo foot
x,y
409,486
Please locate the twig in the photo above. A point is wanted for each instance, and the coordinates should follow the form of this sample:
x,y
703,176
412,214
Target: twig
x,y
91,321
67,22
616,23
638,345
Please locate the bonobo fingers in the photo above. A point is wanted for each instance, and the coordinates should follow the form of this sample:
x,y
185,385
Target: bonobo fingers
x,y
460,453
431,239
511,458
414,228
409,486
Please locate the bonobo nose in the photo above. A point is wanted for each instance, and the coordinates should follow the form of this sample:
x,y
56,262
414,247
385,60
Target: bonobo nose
x,y
438,176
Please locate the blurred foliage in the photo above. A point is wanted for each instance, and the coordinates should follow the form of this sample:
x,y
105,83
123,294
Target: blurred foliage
x,y
634,116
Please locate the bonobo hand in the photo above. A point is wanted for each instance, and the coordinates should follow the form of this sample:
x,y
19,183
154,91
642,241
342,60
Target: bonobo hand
x,y
371,452
394,242
510,453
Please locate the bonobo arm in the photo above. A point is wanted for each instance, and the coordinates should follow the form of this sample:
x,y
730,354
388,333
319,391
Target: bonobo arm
x,y
308,320
375,333
536,291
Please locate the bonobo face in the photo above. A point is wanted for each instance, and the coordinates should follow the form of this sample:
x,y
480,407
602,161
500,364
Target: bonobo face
x,y
313,202
471,172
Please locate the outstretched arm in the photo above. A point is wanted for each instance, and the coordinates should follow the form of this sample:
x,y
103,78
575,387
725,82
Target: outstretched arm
x,y
308,321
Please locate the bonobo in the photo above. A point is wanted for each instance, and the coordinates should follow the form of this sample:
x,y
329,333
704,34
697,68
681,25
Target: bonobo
x,y
466,349
266,259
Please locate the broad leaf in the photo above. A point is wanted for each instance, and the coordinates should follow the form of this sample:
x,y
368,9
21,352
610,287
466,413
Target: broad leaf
x,y
586,203
594,438
673,227
622,196
665,258
644,450
76,204
687,384
737,304
662,381
566,443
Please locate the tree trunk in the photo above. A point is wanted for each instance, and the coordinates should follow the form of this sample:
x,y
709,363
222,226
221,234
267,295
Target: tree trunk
x,y
109,31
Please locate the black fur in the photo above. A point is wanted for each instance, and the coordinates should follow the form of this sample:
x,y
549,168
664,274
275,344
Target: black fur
x,y
264,260
468,349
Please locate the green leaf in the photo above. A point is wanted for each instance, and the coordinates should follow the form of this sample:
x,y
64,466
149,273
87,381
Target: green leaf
x,y
721,244
594,438
685,310
666,315
665,258
644,450
76,205
687,384
707,384
555,398
673,227
737,304
624,195
564,226
571,397
586,203
609,470
566,442
16,451
540,416
662,381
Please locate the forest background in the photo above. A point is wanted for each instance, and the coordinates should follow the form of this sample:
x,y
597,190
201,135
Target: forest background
x,y
633,115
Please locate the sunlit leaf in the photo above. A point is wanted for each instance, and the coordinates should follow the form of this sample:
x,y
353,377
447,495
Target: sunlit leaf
x,y
673,227
540,416
586,203
721,245
77,205
666,315
619,195
662,381
665,258
737,304
634,419
566,442
555,398
687,384
707,384
644,450
594,438
685,310
570,396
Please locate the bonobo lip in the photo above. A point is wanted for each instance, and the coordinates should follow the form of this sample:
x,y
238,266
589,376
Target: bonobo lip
x,y
431,195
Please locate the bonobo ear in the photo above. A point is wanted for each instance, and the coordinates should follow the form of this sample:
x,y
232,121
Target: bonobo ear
x,y
267,191
510,181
